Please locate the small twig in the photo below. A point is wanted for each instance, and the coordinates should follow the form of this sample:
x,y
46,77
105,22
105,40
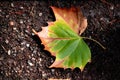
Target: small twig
x,y
31,12
104,1
112,21
95,41
4,48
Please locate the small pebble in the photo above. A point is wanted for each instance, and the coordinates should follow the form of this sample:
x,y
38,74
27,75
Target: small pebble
x,y
40,65
6,41
1,58
7,16
112,7
21,7
28,45
14,28
30,63
12,5
33,34
33,59
52,61
101,18
40,14
22,49
40,59
53,70
32,55
21,21
34,51
11,23
26,31
14,54
104,40
44,74
9,52
101,29
23,43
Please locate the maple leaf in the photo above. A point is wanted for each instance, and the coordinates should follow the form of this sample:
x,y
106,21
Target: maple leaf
x,y
62,38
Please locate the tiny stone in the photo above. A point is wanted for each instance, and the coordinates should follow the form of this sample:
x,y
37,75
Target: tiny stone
x,y
11,23
101,18
23,43
21,21
22,66
31,48
34,51
104,40
12,5
112,7
52,70
22,49
33,59
32,55
52,61
28,45
44,74
21,7
7,16
28,20
6,41
9,52
40,59
26,31
21,34
14,28
40,65
40,14
1,58
101,28
14,55
33,34
30,63
16,71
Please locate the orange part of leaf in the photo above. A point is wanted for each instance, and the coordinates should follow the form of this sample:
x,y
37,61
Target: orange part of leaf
x,y
73,17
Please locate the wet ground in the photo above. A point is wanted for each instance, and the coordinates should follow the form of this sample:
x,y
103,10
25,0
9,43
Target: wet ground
x,y
22,56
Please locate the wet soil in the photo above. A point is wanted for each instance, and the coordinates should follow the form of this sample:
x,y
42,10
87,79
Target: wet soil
x,y
22,56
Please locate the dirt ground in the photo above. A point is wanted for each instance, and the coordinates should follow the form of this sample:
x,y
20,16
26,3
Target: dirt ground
x,y
22,56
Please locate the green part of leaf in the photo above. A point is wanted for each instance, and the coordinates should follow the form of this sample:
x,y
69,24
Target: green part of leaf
x,y
61,30
68,46
80,56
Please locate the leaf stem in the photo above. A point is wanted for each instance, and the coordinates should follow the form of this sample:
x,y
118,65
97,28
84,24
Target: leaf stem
x,y
34,31
94,41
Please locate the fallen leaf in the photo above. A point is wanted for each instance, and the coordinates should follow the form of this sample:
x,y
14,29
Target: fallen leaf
x,y
61,38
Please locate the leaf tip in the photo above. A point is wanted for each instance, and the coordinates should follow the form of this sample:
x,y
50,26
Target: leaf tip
x,y
89,61
57,64
81,68
50,23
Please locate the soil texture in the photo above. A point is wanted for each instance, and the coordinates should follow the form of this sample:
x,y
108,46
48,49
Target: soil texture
x,y
22,56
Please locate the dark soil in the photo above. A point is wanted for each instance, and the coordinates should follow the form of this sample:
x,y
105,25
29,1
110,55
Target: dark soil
x,y
22,57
